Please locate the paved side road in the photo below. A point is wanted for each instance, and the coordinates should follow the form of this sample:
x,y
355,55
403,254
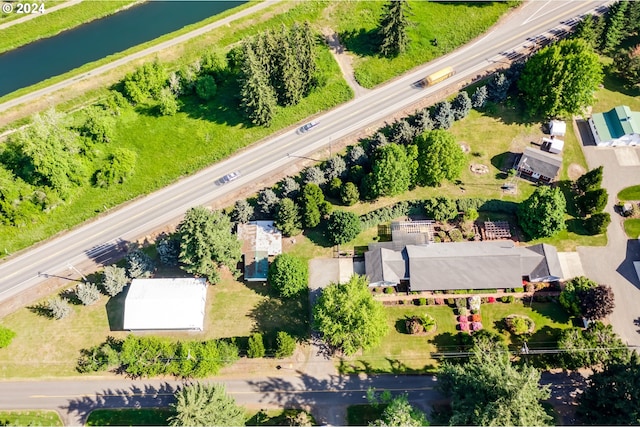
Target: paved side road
x,y
613,264
326,397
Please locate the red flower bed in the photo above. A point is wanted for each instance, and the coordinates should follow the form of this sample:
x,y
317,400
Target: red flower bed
x,y
491,299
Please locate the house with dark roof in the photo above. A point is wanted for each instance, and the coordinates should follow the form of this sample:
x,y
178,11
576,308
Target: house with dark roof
x,y
461,265
538,165
618,126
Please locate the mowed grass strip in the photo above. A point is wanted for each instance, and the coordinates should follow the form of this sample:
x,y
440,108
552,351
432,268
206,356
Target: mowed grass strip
x,y
404,353
30,418
12,16
57,21
632,228
130,417
630,193
451,23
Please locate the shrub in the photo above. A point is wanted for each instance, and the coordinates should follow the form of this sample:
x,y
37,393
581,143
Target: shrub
x,y
388,290
87,293
463,319
476,318
463,311
58,308
6,336
451,301
474,303
518,289
455,235
464,327
491,300
519,325
506,298
286,345
439,301
530,287
422,301
431,301
476,326
256,346
461,303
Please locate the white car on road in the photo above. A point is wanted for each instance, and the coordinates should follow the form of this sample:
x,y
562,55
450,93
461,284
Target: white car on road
x,y
230,177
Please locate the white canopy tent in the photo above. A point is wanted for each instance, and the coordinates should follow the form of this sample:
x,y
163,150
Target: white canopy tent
x,y
165,304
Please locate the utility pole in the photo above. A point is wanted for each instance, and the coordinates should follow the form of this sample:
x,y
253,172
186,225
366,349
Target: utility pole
x,y
71,267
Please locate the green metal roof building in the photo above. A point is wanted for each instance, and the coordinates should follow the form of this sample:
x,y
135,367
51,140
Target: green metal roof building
x,y
619,126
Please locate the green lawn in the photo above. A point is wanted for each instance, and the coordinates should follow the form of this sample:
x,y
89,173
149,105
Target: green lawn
x,y
49,348
632,228
129,417
630,193
404,353
30,418
197,136
55,22
452,23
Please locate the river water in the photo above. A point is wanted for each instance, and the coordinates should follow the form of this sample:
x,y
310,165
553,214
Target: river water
x,y
53,56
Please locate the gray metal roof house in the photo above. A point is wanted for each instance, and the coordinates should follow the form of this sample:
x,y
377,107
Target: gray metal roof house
x,y
461,265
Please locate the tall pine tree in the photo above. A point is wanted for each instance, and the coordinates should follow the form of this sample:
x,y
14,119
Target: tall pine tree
x,y
393,28
258,99
615,29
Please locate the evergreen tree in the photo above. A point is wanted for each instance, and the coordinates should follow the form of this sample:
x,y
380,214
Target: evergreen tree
x,y
480,97
289,187
304,43
287,218
312,199
461,105
498,87
349,194
357,156
287,77
314,175
442,116
393,28
627,63
590,181
587,30
423,121
205,405
335,167
258,99
256,346
242,212
615,29
267,201
403,133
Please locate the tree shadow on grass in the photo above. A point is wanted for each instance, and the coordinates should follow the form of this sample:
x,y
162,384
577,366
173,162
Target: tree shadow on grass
x,y
361,42
318,236
287,314
509,112
615,84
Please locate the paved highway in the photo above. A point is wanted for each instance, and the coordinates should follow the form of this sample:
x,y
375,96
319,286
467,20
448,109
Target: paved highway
x,y
97,238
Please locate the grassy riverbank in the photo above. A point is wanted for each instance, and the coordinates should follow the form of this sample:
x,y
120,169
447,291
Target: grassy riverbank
x,y
55,22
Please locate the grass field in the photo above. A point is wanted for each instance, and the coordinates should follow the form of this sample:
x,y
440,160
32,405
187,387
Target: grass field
x,y
451,23
55,22
45,347
30,418
11,16
632,228
630,193
197,136
403,353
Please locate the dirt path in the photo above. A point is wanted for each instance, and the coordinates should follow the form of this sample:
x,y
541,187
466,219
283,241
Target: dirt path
x,y
344,60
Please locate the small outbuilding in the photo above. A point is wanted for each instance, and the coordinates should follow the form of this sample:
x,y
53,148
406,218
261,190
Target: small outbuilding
x,y
165,304
557,128
552,145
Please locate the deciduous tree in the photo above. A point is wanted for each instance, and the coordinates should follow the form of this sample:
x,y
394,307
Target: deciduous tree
x,y
206,87
561,78
343,227
570,295
390,174
597,303
6,336
288,274
542,214
440,158
596,346
397,412
611,396
348,317
117,168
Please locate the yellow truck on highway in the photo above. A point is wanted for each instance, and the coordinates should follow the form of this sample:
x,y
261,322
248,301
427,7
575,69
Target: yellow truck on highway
x,y
437,77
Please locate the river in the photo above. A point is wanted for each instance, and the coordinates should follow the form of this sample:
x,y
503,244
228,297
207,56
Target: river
x,y
46,58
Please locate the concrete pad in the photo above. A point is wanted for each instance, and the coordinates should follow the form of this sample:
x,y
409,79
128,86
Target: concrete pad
x,y
323,271
627,156
570,264
346,269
